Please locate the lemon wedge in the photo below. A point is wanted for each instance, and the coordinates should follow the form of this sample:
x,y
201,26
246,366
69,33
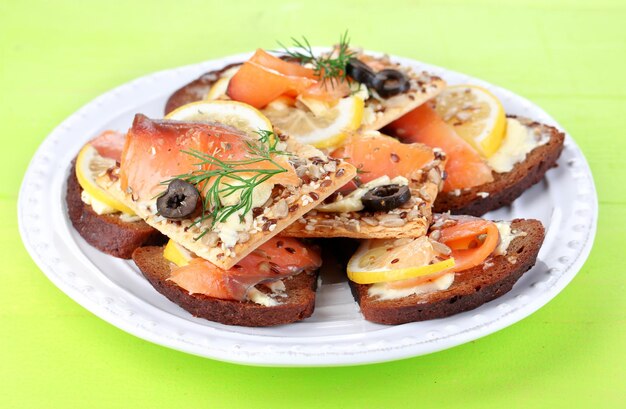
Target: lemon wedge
x,y
476,115
176,253
90,165
378,261
322,128
236,114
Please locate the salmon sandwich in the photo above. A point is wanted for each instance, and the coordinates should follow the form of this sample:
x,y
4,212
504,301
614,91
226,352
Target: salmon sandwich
x,y
227,202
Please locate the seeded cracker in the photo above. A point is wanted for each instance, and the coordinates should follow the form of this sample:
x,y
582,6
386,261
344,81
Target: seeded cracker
x,y
409,220
279,212
378,111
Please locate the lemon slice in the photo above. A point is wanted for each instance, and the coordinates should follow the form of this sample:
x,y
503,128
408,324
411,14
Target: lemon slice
x,y
218,89
90,165
176,253
476,115
378,261
236,114
325,128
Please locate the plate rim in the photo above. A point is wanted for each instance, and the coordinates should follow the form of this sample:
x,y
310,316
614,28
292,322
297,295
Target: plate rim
x,y
294,357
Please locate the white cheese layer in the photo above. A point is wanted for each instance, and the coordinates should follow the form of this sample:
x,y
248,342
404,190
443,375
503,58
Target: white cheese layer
x,y
97,206
506,237
103,208
382,292
517,143
353,203
228,231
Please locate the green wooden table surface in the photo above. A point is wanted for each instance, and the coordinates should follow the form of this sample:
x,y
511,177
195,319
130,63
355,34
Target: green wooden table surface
x,y
569,57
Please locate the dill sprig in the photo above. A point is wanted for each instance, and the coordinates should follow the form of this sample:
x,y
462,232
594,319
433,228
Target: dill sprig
x,y
231,177
330,68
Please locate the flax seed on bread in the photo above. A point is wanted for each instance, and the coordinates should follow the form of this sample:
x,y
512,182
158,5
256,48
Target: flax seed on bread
x,y
506,187
298,304
105,232
470,289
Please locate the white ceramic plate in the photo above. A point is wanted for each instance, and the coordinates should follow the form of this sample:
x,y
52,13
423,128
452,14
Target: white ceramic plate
x,y
565,201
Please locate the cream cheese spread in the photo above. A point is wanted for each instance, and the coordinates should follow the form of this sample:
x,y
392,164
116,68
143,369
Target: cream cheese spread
x,y
352,202
382,292
517,143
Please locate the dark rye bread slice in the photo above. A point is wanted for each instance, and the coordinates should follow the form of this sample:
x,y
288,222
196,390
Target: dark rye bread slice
x,y
298,304
506,187
107,233
470,289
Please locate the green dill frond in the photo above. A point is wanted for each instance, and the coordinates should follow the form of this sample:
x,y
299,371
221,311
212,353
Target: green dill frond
x,y
331,68
225,178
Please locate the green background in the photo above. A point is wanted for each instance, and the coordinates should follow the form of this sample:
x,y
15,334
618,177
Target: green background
x,y
569,57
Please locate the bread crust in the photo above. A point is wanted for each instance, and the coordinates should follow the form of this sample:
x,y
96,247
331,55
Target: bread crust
x,y
470,289
106,233
506,187
298,304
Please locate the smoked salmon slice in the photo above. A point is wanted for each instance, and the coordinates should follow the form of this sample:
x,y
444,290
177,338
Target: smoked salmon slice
x,y
109,144
382,155
278,258
465,168
263,78
158,150
471,240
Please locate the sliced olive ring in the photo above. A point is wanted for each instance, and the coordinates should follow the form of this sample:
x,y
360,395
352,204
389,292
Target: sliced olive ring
x,y
385,198
359,71
388,83
180,200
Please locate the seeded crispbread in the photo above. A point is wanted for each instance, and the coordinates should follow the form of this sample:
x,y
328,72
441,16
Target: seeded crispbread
x,y
471,288
297,305
378,111
410,220
106,232
272,219
506,187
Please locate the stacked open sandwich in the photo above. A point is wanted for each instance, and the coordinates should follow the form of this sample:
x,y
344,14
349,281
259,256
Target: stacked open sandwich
x,y
224,203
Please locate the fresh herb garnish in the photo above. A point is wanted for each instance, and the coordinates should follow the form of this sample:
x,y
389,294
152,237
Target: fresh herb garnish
x,y
330,68
231,177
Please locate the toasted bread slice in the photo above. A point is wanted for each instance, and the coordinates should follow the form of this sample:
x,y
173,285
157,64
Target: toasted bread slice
x,y
298,304
470,289
282,209
107,232
409,220
506,187
378,111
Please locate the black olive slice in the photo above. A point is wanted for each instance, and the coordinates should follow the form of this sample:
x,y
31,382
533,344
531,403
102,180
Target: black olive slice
x,y
385,198
390,82
179,201
359,71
